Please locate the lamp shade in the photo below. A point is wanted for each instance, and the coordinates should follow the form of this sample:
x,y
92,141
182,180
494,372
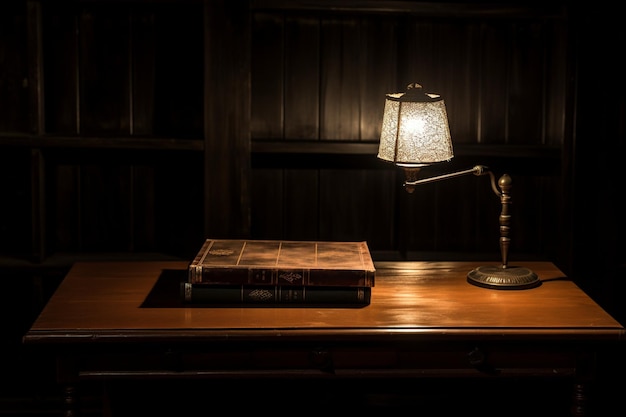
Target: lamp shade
x,y
415,129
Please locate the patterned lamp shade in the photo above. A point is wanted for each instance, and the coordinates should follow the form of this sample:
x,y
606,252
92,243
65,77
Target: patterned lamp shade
x,y
415,129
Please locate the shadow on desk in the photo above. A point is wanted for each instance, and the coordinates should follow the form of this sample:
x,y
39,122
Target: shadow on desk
x,y
166,293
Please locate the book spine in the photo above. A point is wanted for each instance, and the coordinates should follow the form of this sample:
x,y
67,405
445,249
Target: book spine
x,y
264,294
282,277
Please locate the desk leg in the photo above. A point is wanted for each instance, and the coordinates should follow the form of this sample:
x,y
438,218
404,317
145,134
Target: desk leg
x,y
579,400
585,375
67,378
70,401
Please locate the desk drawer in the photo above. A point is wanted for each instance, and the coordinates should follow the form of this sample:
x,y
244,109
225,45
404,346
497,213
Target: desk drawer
x,y
362,361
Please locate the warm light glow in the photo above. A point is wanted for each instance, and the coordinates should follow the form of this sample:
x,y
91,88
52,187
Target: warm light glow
x,y
415,129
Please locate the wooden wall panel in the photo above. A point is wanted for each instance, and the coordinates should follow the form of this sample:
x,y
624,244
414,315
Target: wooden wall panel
x,y
558,91
60,51
356,205
459,78
302,78
377,72
457,203
178,205
143,207
301,212
417,223
105,207
340,79
266,75
285,204
527,82
132,71
494,65
418,56
267,204
226,118
179,64
14,88
15,210
104,78
64,215
143,46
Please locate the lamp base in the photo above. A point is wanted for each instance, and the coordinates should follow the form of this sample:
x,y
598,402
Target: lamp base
x,y
499,278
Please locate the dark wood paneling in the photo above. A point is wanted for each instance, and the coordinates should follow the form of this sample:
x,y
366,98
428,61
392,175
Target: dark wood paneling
x,y
60,51
377,71
178,71
144,230
267,79
559,67
227,119
310,74
15,211
64,208
340,79
526,93
178,204
302,78
354,205
103,69
266,198
14,54
301,212
495,43
143,95
113,200
104,205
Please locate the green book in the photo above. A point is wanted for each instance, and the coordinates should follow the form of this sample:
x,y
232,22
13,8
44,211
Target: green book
x,y
273,294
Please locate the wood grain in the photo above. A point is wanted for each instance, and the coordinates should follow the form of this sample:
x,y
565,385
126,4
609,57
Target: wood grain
x,y
107,301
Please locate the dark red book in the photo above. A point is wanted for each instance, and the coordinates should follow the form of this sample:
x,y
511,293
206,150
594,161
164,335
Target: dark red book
x,y
283,263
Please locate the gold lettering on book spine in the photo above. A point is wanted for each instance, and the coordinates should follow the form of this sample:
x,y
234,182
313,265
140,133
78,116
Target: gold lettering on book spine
x,y
260,295
290,277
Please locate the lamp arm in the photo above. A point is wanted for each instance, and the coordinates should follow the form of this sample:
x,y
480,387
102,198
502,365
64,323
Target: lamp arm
x,y
501,189
477,170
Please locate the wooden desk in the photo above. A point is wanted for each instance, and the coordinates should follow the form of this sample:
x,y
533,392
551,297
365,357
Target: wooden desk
x,y
124,320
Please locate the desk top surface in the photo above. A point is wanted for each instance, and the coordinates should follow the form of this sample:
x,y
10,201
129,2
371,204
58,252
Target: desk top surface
x,y
117,300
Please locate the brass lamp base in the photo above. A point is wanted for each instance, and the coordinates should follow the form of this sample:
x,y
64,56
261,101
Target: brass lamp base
x,y
510,278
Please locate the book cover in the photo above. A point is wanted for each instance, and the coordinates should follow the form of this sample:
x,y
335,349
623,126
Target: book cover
x,y
273,294
283,263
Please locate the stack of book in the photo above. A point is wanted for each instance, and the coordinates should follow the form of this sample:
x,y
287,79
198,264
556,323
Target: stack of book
x,y
230,271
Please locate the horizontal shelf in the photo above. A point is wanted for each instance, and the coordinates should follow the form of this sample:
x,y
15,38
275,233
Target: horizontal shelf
x,y
544,160
422,9
290,146
291,153
88,142
371,148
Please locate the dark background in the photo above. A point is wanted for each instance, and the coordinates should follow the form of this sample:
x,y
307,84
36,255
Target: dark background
x,y
136,129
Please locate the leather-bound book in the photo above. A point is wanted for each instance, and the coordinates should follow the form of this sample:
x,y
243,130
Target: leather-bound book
x,y
283,263
274,294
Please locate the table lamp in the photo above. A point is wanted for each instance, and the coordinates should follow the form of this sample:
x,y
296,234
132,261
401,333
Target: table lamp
x,y
414,135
